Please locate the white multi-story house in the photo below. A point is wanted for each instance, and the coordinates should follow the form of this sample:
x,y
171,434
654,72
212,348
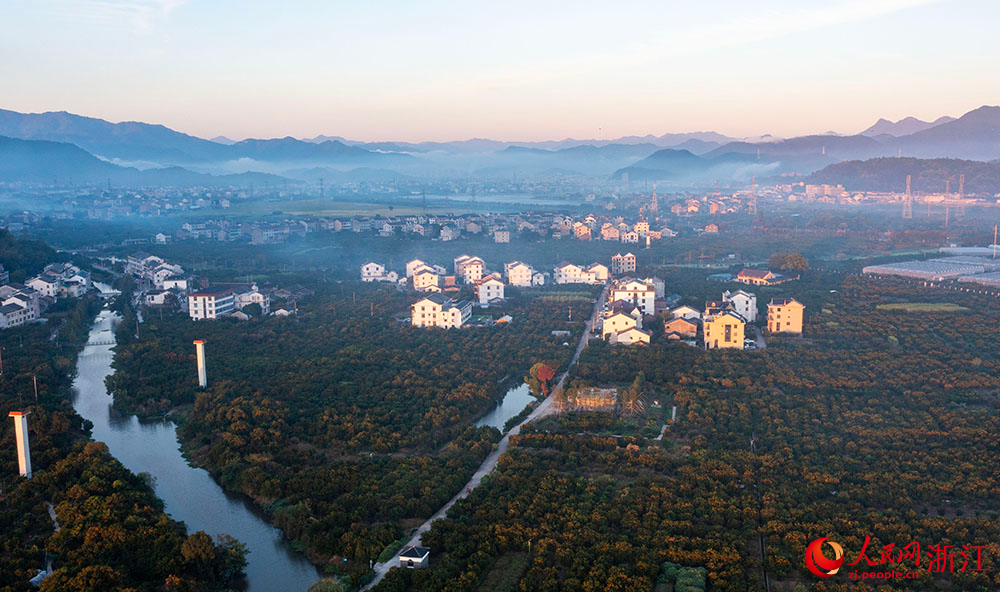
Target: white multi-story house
x,y
413,266
13,314
175,283
744,303
490,288
46,284
426,280
437,310
519,274
372,272
538,279
599,272
501,236
618,321
630,237
137,263
622,264
470,269
253,296
568,273
211,305
638,293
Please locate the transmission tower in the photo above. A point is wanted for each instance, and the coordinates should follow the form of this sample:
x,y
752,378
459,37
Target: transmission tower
x,y
907,201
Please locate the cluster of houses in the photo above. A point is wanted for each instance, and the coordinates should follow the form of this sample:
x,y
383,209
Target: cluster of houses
x,y
421,276
165,285
439,309
23,303
722,324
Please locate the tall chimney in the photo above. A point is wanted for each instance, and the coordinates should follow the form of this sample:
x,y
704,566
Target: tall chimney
x,y
23,453
199,346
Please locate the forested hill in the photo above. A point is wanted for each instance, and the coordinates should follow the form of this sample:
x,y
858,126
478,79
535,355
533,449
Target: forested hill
x,y
22,257
928,175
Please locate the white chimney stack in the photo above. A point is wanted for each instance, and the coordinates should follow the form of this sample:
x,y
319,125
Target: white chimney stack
x,y
23,453
200,350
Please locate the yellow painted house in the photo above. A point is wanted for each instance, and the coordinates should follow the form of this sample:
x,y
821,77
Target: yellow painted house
x,y
784,315
723,330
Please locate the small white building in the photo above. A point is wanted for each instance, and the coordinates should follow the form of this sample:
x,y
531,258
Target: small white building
x,y
414,557
372,272
489,288
631,337
501,236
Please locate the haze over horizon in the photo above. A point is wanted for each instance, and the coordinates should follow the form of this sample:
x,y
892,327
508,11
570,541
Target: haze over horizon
x,y
636,68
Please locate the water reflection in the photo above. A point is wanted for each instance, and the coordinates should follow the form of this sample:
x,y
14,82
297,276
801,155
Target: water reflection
x,y
189,494
513,403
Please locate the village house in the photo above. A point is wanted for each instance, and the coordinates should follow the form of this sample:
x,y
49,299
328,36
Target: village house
x,y
744,303
686,312
760,277
211,305
615,322
681,328
622,264
501,236
631,337
784,315
609,232
414,557
639,293
470,269
519,274
437,310
372,272
723,330
426,280
489,289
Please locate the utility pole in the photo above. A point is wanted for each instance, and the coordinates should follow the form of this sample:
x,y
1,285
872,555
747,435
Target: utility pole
x,y
34,379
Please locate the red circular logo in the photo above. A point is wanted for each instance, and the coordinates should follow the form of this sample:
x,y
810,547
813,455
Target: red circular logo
x,y
818,563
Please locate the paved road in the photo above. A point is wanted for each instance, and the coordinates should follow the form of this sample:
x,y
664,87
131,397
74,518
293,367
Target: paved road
x,y
544,408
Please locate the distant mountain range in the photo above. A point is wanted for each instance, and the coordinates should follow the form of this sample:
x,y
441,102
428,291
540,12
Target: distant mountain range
x,y
158,152
927,175
903,127
42,161
143,143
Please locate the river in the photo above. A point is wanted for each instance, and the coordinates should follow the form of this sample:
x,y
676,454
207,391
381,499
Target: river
x,y
513,402
190,494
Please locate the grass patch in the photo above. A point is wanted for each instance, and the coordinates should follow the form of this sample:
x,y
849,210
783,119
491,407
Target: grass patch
x,y
923,307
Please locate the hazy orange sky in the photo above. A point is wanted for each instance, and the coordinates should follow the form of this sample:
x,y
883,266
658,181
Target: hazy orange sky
x,y
515,70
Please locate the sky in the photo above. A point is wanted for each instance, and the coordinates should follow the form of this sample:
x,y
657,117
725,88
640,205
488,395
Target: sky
x,y
515,70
